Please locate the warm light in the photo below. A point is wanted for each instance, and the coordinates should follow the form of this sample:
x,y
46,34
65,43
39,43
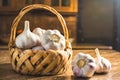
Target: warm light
x,y
19,31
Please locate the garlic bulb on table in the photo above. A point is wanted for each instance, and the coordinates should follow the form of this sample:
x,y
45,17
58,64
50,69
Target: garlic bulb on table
x,y
83,65
39,32
27,39
53,39
103,64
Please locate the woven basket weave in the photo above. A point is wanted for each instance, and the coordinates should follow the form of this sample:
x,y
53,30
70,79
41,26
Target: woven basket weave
x,y
40,62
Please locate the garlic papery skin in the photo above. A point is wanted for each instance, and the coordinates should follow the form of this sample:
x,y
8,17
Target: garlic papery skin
x,y
27,39
83,65
103,65
38,48
53,39
38,31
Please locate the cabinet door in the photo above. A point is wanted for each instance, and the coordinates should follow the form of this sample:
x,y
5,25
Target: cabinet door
x,y
63,5
9,5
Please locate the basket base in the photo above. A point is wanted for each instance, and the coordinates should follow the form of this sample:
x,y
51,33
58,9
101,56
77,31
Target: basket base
x,y
31,62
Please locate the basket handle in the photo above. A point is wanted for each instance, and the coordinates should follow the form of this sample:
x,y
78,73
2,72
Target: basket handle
x,y
37,6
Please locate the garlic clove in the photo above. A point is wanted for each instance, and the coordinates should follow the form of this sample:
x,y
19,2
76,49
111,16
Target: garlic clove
x,y
38,31
103,64
106,65
89,70
27,39
83,65
38,48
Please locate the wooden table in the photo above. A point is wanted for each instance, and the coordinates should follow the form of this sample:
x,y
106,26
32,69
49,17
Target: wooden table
x,y
6,72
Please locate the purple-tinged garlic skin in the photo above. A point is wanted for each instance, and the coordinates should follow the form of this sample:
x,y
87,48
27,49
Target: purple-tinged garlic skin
x,y
53,39
27,39
103,64
83,65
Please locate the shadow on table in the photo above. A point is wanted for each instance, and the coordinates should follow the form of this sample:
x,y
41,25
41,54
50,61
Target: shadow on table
x,y
6,73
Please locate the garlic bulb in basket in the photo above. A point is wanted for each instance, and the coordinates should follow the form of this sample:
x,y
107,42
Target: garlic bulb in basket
x,y
83,65
38,48
27,39
103,64
39,32
53,39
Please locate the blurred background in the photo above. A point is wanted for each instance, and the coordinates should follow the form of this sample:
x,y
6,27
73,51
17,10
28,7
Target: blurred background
x,y
90,22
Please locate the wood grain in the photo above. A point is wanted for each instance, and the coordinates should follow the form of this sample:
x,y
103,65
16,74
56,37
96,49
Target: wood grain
x,y
6,72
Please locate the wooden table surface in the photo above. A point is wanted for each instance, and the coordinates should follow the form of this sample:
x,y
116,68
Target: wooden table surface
x,y
6,72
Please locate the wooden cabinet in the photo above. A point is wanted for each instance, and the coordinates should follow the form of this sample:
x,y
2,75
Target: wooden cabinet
x,y
13,5
8,5
59,5
63,5
10,8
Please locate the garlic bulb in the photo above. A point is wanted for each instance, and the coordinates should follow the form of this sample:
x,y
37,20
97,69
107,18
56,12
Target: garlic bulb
x,y
83,65
27,39
53,39
103,64
39,32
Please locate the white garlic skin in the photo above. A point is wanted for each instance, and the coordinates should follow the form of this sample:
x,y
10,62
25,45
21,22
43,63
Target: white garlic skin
x,y
103,64
88,69
38,48
38,31
48,44
27,39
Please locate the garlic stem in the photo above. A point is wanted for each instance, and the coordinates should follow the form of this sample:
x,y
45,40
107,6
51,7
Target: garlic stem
x,y
98,54
27,26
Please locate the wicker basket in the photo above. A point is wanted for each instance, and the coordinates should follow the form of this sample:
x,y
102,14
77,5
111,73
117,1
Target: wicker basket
x,y
40,62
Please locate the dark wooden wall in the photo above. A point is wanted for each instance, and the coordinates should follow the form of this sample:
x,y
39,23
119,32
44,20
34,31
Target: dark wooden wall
x,y
117,25
96,21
